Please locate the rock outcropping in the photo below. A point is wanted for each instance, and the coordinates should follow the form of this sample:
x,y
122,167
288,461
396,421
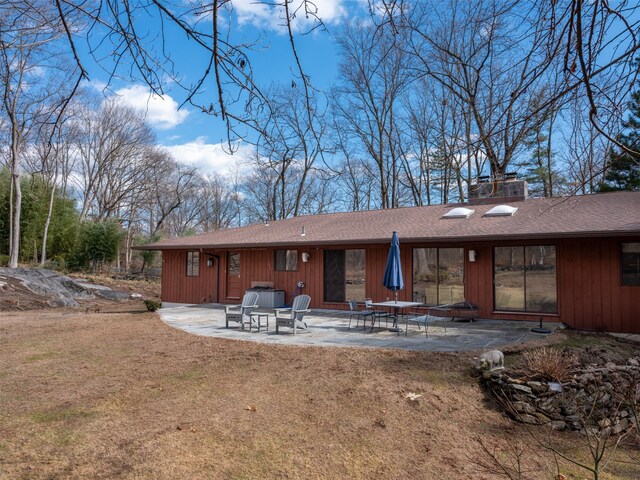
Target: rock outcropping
x,y
51,288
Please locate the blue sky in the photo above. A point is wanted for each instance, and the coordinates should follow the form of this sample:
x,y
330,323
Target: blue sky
x,y
196,138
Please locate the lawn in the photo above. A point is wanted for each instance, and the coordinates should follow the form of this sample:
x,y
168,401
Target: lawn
x,y
118,394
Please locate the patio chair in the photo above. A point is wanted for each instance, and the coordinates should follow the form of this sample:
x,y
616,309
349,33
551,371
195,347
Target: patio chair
x,y
242,313
293,317
354,311
423,318
377,314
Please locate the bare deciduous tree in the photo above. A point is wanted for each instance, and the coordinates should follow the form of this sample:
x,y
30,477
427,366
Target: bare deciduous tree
x,y
375,74
220,203
120,44
33,94
113,143
511,62
287,153
585,151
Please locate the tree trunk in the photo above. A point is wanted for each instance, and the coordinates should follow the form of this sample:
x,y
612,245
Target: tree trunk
x,y
15,232
127,248
467,134
47,222
460,188
549,153
10,213
17,190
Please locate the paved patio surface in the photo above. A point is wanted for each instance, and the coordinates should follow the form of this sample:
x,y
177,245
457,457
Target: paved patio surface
x,y
329,328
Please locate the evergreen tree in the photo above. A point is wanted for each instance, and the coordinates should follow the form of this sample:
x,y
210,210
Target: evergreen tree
x,y
97,245
623,171
535,168
35,200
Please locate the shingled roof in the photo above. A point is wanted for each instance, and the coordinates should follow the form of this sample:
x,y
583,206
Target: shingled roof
x,y
604,214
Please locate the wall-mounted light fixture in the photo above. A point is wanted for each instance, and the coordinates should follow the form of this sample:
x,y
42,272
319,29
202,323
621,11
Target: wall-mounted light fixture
x,y
209,262
472,255
305,257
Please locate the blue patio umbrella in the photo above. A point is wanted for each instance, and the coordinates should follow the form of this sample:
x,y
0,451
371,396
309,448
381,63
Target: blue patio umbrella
x,y
393,271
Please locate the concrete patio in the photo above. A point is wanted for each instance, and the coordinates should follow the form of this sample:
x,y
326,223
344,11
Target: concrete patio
x,y
330,328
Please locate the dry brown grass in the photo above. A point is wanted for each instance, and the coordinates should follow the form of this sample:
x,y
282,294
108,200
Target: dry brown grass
x,y
548,363
119,394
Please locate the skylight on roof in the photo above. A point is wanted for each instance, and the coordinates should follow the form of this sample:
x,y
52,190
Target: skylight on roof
x,y
501,211
459,212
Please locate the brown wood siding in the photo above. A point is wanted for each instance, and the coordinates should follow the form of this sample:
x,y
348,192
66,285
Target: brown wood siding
x,y
178,287
590,296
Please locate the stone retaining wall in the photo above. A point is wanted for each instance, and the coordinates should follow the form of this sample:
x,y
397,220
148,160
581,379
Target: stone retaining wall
x,y
598,398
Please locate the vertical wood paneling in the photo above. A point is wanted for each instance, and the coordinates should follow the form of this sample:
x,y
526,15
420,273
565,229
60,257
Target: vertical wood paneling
x,y
596,285
472,281
607,270
577,287
565,281
177,287
485,298
629,305
376,261
589,292
591,296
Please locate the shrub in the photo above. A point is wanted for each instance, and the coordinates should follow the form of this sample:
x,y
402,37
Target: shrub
x,y
57,263
97,245
4,260
549,363
152,305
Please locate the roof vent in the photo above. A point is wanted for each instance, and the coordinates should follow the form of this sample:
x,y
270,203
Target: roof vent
x,y
501,211
459,212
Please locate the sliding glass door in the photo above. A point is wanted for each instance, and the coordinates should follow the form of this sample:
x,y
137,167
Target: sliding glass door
x,y
438,275
525,279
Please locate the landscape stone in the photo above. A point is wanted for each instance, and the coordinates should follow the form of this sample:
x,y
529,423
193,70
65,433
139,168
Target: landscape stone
x,y
522,388
524,407
530,419
594,400
537,387
557,425
621,426
542,418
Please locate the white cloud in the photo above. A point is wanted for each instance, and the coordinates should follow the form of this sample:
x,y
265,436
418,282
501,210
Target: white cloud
x,y
210,157
265,16
161,112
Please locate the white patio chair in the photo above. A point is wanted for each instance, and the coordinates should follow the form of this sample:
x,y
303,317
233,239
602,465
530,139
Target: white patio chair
x,y
242,313
293,317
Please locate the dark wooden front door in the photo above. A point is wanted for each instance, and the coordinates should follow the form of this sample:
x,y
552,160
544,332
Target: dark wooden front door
x,y
233,275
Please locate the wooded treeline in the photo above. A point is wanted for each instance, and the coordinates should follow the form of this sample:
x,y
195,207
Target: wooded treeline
x,y
422,106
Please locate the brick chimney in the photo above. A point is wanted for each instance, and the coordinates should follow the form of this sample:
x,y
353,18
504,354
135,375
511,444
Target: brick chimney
x,y
502,189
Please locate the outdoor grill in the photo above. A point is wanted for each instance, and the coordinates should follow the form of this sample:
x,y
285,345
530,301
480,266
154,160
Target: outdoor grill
x,y
269,297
